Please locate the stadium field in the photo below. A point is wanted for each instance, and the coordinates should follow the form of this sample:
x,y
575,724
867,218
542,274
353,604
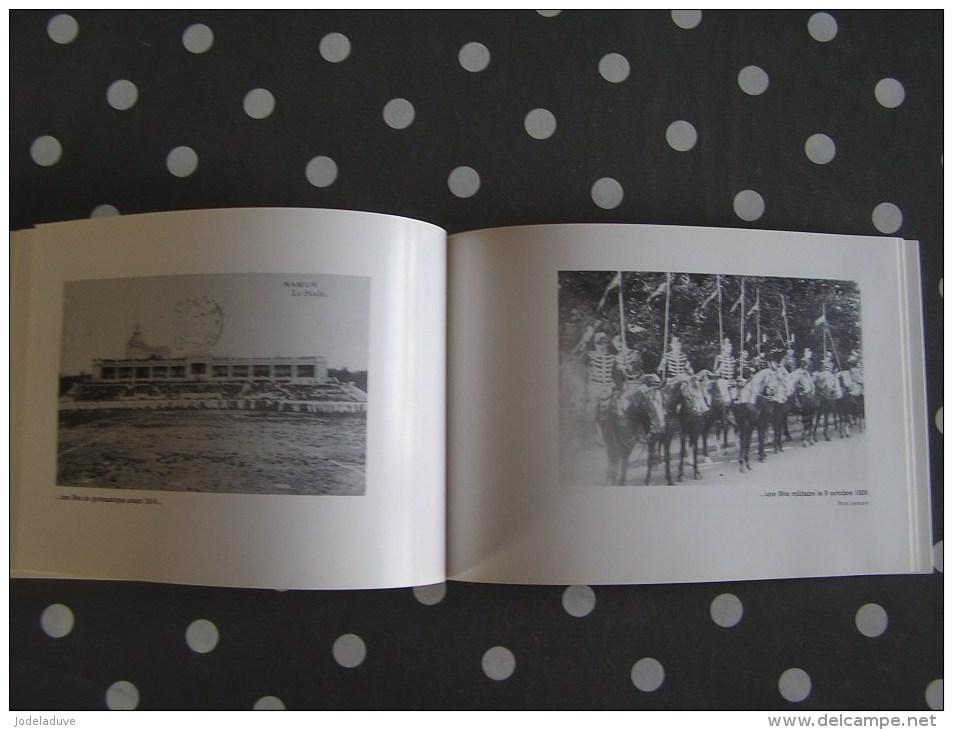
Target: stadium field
x,y
237,452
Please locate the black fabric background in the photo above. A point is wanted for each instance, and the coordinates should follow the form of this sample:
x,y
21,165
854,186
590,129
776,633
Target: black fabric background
x,y
419,656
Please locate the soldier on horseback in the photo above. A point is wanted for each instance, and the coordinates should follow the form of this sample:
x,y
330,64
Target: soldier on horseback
x,y
760,361
630,364
675,361
602,369
789,361
744,367
807,360
856,362
629,361
724,370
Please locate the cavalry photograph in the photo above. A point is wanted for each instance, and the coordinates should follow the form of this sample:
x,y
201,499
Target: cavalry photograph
x,y
668,378
227,383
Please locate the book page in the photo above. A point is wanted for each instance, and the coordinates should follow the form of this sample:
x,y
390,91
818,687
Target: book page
x,y
578,352
232,397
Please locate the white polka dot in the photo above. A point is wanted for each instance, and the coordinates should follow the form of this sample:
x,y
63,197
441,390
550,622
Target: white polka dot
x,y
934,694
753,80
334,47
681,136
430,595
57,620
549,13
748,205
464,182
46,151
794,685
321,171
871,620
198,38
399,113
62,29
614,68
889,93
474,57
579,601
122,695
606,193
648,674
182,161
498,663
540,124
938,556
122,94
822,27
887,218
938,419
259,103
201,636
687,19
268,702
726,610
349,650
104,211
820,149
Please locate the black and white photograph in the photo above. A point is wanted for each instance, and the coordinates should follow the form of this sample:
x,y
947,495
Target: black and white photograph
x,y
668,377
225,383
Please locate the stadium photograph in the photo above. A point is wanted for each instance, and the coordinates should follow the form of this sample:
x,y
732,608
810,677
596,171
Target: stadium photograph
x,y
226,383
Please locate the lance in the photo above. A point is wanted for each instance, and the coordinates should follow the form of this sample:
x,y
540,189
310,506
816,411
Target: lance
x,y
758,320
784,313
721,334
668,288
827,330
625,351
741,341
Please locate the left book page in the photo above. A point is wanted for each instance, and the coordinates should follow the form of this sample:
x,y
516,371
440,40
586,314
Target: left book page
x,y
248,397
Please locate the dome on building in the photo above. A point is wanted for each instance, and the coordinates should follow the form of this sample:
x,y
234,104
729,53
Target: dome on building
x,y
136,346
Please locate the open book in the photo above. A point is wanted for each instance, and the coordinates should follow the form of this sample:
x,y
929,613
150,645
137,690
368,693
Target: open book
x,y
296,398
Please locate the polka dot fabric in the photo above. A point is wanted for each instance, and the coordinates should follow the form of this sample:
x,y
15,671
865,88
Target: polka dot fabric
x,y
825,121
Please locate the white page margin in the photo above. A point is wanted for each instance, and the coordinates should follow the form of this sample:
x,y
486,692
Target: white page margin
x,y
391,536
509,519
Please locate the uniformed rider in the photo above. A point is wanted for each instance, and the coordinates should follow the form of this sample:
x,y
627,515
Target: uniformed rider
x,y
629,361
602,368
675,362
856,362
807,359
724,370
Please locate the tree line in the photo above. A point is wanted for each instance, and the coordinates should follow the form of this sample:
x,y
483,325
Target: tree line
x,y
816,313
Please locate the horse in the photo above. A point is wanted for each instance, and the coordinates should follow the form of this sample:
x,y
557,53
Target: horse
x,y
719,402
850,407
755,408
777,408
829,393
803,401
685,410
633,415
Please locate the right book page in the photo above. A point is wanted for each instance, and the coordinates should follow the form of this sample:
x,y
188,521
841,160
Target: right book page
x,y
583,360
